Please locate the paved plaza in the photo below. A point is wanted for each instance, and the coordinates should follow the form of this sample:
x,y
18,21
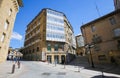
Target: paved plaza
x,y
31,69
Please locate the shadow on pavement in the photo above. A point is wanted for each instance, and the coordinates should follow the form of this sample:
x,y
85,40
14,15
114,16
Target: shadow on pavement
x,y
108,68
115,69
9,73
100,76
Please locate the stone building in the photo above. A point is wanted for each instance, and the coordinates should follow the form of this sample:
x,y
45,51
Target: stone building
x,y
80,49
117,4
49,37
104,35
8,11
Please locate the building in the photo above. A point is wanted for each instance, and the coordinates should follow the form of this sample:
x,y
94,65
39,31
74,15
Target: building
x,y
14,54
8,11
103,34
117,4
80,50
49,37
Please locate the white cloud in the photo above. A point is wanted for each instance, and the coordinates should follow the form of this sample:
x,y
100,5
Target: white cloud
x,y
16,36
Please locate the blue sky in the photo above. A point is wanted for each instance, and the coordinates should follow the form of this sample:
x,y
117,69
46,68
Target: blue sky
x,y
78,12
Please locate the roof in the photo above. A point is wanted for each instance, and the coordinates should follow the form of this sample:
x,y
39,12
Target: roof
x,y
103,17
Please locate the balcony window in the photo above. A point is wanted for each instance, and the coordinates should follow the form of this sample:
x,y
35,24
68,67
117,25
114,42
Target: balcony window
x,y
49,47
112,21
61,47
37,49
56,47
10,12
117,32
93,28
2,38
6,25
0,48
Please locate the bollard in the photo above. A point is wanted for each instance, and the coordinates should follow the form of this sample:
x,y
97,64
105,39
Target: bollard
x,y
102,75
78,68
55,64
64,65
18,64
13,68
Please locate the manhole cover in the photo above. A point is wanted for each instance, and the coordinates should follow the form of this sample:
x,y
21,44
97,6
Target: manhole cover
x,y
46,73
61,73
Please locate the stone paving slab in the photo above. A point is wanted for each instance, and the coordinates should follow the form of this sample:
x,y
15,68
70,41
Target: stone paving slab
x,y
6,69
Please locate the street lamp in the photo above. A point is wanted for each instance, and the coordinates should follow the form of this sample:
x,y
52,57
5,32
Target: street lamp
x,y
89,46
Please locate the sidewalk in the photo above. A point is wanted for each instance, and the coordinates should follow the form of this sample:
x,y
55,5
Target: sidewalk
x,y
82,70
6,69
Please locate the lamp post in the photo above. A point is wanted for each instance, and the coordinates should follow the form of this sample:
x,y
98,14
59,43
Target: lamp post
x,y
89,46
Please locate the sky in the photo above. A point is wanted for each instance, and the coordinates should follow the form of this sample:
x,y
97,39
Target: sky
x,y
78,12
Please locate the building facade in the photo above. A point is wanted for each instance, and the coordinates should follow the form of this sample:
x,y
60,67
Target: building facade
x,y
117,4
8,11
45,37
80,50
104,34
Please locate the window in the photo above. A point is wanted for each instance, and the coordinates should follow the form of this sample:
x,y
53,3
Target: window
x,y
56,47
37,49
112,21
0,49
61,47
3,37
50,18
49,47
117,32
33,50
10,12
6,25
93,28
29,51
118,44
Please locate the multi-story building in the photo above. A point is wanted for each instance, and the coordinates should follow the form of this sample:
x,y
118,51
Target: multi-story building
x,y
49,37
117,4
103,36
8,11
80,50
